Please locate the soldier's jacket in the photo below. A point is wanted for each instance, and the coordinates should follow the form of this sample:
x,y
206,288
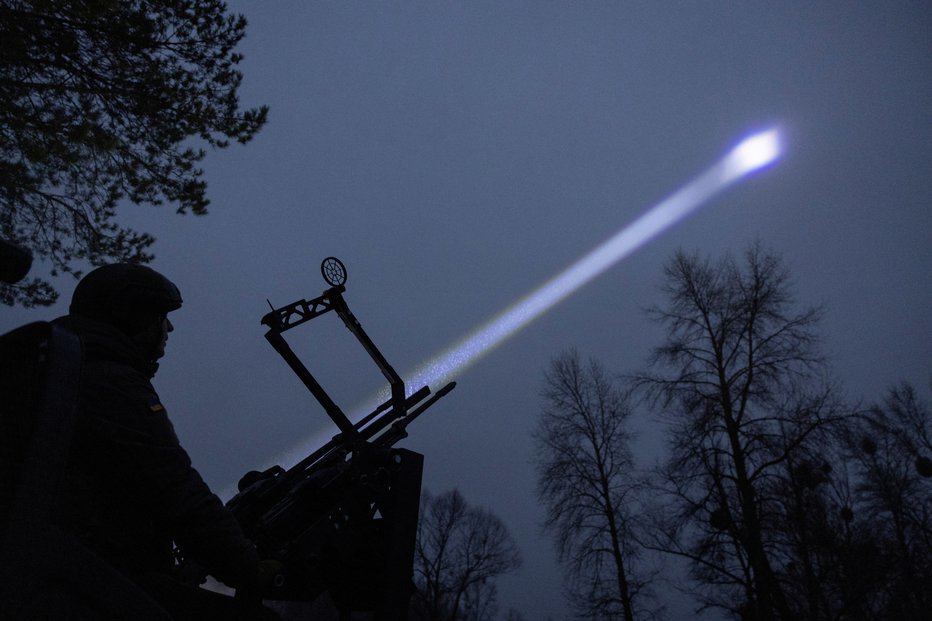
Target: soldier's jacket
x,y
130,489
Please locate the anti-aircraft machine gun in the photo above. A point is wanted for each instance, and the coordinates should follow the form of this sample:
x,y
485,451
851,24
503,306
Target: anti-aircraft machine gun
x,y
343,520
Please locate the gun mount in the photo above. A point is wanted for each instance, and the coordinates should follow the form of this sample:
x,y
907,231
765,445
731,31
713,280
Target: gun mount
x,y
343,520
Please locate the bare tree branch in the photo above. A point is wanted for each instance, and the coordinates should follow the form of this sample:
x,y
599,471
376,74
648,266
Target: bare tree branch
x,y
586,482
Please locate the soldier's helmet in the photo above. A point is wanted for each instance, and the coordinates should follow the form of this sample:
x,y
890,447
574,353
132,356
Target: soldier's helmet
x,y
126,295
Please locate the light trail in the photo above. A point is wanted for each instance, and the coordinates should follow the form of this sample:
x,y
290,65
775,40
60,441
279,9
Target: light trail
x,y
752,154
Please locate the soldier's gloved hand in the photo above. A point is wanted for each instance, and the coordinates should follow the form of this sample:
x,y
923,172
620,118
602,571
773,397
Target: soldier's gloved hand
x,y
271,574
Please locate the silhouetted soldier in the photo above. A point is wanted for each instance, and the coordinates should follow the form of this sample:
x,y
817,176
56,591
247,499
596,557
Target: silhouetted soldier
x,y
129,490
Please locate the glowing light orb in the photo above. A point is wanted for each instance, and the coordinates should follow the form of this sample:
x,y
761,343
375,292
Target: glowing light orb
x,y
754,152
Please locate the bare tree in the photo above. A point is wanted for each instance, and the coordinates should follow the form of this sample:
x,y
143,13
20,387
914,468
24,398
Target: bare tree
x,y
857,516
809,537
585,480
740,381
891,447
460,551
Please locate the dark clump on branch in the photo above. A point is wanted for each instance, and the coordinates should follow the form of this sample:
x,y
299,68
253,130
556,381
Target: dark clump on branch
x,y
924,466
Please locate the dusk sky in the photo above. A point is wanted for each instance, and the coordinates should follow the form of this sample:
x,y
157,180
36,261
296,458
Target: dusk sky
x,y
456,155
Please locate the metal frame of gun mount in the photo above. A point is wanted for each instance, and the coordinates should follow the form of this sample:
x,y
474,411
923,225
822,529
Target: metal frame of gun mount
x,y
343,520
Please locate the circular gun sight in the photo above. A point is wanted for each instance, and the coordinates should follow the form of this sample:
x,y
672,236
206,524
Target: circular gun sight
x,y
333,271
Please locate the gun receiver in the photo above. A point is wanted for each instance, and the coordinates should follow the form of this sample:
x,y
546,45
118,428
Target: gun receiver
x,y
344,518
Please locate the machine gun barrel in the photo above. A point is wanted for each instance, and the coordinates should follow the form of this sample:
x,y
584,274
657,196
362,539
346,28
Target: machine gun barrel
x,y
398,429
410,402
360,431
259,491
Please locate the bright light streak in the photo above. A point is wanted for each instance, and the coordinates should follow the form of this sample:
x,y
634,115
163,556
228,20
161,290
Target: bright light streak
x,y
750,155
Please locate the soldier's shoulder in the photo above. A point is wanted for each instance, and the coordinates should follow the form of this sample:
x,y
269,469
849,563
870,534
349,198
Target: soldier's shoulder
x,y
107,380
